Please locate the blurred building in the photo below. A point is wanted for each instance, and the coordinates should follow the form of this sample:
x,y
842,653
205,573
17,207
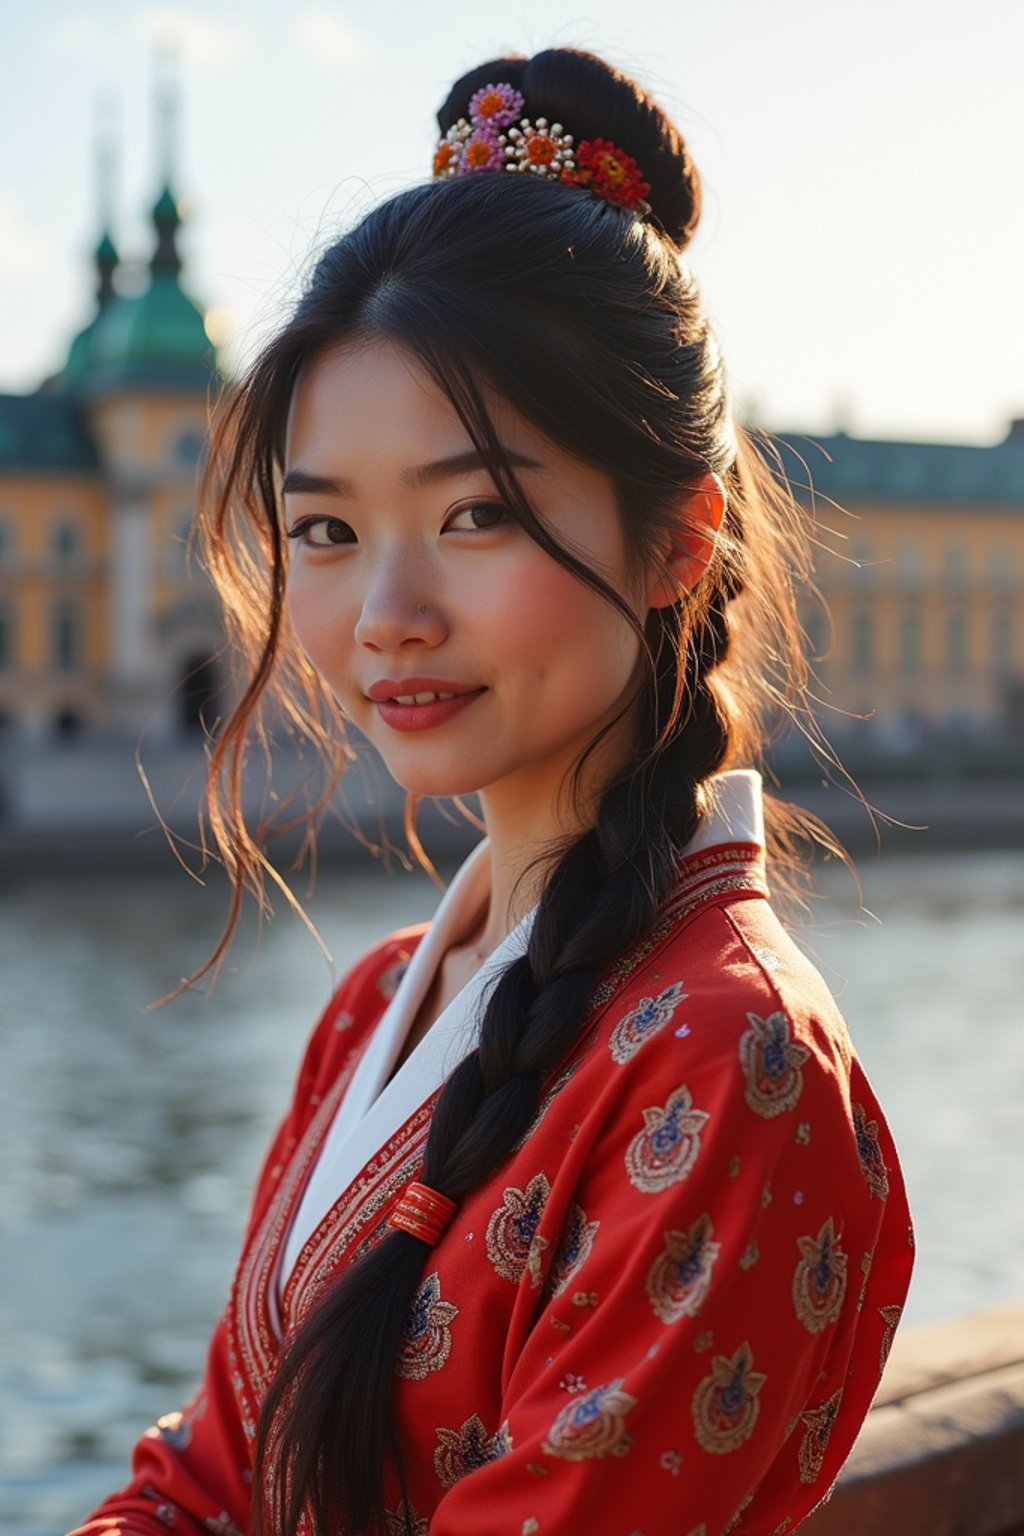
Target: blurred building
x,y
106,632
922,574
103,631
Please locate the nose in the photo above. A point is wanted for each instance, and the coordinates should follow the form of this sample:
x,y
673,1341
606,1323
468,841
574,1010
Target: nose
x,y
397,610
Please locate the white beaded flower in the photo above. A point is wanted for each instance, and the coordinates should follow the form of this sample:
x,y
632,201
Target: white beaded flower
x,y
542,148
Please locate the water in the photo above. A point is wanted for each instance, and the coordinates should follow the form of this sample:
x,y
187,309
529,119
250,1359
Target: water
x,y
129,1140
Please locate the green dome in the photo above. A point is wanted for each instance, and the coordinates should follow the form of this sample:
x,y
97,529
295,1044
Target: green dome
x,y
154,339
79,361
159,329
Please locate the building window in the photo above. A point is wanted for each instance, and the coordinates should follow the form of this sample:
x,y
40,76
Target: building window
x,y
956,564
910,564
1002,644
67,542
956,642
6,637
910,642
67,637
862,643
1001,566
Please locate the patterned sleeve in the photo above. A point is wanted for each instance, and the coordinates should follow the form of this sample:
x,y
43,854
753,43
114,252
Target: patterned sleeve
x,y
718,1294
191,1471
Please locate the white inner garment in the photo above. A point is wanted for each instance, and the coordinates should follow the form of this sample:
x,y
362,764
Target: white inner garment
x,y
373,1108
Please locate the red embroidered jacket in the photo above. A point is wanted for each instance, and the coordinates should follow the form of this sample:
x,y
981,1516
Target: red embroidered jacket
x,y
665,1315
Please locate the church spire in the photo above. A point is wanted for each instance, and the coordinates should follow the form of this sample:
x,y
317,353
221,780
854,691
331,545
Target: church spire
x,y
166,215
105,255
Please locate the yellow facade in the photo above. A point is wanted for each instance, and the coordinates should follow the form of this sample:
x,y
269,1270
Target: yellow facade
x,y
53,589
925,624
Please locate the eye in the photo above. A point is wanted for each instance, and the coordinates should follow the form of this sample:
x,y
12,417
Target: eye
x,y
322,532
478,517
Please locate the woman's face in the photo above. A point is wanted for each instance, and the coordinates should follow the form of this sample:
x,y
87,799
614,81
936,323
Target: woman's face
x,y
408,582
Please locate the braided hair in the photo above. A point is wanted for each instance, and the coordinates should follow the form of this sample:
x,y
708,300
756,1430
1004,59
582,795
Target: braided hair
x,y
587,319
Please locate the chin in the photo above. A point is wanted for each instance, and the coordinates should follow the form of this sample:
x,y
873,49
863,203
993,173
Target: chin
x,y
433,783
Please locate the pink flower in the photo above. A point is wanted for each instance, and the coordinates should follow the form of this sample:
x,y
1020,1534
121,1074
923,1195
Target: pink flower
x,y
482,151
495,106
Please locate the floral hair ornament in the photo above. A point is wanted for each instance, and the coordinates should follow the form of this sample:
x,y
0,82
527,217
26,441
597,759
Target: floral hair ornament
x,y
423,1212
496,138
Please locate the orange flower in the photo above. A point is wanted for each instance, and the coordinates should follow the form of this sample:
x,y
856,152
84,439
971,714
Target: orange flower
x,y
540,150
444,156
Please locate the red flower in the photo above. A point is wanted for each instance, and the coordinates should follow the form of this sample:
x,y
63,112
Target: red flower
x,y
610,172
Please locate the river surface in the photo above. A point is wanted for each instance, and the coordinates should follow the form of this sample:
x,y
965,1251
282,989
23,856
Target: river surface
x,y
129,1139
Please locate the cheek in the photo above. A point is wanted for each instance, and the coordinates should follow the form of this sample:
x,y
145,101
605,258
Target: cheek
x,y
551,619
317,611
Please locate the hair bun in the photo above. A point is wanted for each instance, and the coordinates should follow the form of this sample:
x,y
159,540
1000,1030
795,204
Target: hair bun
x,y
595,100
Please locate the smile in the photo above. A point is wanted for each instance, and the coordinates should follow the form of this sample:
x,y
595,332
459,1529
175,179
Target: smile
x,y
422,709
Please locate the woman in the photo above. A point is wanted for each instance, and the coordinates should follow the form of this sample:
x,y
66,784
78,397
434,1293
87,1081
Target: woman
x,y
584,1216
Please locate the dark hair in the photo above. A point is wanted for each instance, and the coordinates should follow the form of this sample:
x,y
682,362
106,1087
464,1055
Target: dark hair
x,y
586,319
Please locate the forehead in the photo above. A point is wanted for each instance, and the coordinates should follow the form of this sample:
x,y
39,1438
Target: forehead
x,y
363,393
374,400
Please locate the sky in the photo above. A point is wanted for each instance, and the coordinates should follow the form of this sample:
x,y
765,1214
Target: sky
x,y
861,251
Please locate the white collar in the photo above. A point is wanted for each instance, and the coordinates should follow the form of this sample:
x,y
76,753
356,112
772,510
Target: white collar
x,y
374,1108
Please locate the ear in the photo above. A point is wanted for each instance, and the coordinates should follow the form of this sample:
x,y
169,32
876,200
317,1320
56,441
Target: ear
x,y
699,518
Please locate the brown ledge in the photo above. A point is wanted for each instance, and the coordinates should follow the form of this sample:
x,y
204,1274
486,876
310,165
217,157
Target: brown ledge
x,y
942,1450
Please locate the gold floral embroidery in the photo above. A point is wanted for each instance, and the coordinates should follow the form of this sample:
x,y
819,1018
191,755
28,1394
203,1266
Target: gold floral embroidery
x,y
678,1280
890,1316
592,1426
513,1227
428,1341
650,1015
666,1149
464,1450
573,1248
819,1423
870,1153
771,1060
819,1280
726,1403
404,1521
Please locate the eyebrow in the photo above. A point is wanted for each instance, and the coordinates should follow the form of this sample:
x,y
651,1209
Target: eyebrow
x,y
297,481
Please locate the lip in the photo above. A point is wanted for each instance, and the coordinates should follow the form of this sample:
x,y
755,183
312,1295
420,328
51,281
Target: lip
x,y
389,688
420,717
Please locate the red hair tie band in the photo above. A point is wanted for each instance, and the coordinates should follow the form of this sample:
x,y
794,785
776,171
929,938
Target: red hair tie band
x,y
487,141
423,1212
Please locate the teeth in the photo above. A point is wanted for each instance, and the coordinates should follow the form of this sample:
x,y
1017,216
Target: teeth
x,y
421,698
